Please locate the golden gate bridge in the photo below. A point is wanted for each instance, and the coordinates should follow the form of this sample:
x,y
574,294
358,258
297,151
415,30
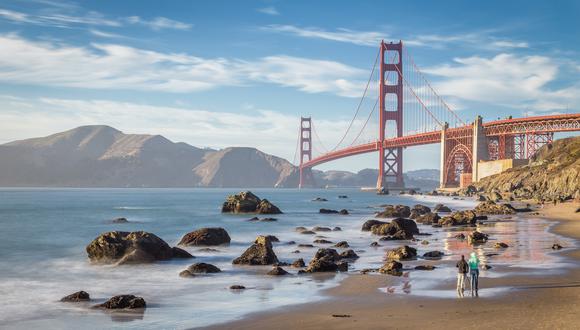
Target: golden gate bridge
x,y
412,113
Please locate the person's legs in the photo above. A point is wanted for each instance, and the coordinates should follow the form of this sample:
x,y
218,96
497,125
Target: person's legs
x,y
460,284
476,282
472,283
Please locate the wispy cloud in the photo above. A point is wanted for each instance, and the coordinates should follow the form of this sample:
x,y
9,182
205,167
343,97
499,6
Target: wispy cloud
x,y
159,23
113,66
103,34
269,11
91,18
482,40
507,80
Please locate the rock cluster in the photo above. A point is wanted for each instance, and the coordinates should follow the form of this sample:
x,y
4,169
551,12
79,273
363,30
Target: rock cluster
x,y
441,208
247,202
326,260
477,237
402,253
490,207
370,223
392,267
206,237
459,218
329,211
130,248
397,211
260,253
399,228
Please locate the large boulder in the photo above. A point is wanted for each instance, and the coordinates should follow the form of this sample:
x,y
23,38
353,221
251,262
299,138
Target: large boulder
x,y
370,223
181,253
427,218
399,228
395,212
326,260
441,208
203,268
247,202
128,301
490,207
392,267
206,237
128,248
402,253
477,237
260,253
459,218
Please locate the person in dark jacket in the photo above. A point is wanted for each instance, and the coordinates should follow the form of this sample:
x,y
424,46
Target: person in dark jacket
x,y
462,269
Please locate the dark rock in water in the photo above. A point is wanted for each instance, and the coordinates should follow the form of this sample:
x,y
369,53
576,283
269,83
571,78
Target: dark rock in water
x,y
298,263
412,192
128,248
305,245
427,218
348,254
501,245
342,266
460,218
441,208
120,220
307,232
290,243
321,229
370,223
260,253
327,211
342,244
281,263
277,271
476,237
375,244
486,266
420,209
425,267
490,207
254,219
203,268
491,254
206,236
273,238
186,273
343,212
325,260
399,228
237,287
342,196
299,229
402,253
246,202
460,236
76,297
556,246
320,199
368,270
336,229
123,302
322,241
392,268
395,212
180,253
268,219
433,255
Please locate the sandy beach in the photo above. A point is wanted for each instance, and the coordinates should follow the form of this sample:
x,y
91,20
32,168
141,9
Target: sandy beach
x,y
538,302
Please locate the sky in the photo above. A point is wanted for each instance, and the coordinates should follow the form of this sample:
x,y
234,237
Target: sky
x,y
242,73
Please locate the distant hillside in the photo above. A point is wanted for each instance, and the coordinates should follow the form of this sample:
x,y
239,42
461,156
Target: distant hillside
x,y
554,172
101,156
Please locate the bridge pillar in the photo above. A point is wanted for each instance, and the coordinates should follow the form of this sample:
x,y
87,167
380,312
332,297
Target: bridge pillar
x,y
480,147
443,155
390,159
305,148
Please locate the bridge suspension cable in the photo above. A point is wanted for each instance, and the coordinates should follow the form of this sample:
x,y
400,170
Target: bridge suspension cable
x,y
359,103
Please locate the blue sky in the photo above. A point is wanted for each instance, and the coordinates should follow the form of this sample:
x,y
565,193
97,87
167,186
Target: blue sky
x,y
240,73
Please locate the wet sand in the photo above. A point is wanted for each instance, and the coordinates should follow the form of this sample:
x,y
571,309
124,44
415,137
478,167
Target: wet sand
x,y
531,302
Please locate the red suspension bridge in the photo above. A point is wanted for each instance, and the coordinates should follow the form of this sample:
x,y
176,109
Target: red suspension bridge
x,y
411,113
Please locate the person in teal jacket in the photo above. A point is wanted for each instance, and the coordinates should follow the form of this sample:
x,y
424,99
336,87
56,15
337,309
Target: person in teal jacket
x,y
474,273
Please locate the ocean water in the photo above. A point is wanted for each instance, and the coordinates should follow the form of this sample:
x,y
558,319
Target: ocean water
x,y
44,232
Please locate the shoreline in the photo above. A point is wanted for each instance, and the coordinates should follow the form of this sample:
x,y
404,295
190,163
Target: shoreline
x,y
547,301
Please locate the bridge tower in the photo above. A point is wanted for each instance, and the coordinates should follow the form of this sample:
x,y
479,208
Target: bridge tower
x,y
390,159
305,149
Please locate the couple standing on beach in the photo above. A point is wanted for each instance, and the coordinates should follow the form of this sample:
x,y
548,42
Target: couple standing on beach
x,y
463,267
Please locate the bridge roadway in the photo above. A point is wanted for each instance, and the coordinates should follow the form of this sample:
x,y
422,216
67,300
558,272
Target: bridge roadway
x,y
527,125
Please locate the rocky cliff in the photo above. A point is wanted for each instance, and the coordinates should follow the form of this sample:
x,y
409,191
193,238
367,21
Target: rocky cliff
x,y
553,173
